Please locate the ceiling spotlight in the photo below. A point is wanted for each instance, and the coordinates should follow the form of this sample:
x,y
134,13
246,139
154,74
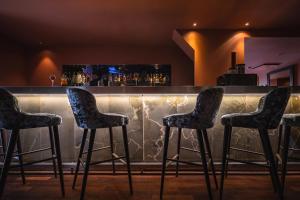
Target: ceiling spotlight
x,y
247,24
194,24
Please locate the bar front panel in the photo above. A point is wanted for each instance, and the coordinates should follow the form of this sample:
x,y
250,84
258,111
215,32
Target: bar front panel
x,y
145,129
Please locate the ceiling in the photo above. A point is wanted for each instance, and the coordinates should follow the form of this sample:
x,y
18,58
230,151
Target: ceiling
x,y
135,22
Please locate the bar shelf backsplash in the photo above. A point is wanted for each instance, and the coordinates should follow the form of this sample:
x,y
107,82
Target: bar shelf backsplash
x,y
116,75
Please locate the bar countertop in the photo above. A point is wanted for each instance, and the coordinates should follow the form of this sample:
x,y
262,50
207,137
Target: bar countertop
x,y
145,90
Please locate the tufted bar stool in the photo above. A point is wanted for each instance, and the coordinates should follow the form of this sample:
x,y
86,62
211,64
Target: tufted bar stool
x,y
288,121
267,116
88,117
201,118
14,120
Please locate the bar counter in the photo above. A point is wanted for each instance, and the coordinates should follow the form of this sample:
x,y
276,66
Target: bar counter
x,y
145,107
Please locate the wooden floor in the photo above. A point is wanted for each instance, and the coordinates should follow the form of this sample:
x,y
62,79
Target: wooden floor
x,y
108,187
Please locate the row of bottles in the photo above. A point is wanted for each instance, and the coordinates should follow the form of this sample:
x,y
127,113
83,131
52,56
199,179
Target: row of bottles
x,y
136,79
116,75
75,78
78,78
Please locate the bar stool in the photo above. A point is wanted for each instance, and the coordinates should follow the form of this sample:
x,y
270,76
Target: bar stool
x,y
267,116
288,121
88,117
202,118
13,119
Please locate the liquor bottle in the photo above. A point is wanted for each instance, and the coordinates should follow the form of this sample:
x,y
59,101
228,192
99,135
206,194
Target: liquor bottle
x,y
78,79
64,80
73,80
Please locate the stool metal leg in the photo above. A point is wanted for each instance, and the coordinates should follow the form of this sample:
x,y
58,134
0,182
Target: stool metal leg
x,y
87,163
3,141
20,157
85,132
204,163
59,161
227,133
164,161
178,150
52,150
228,154
286,142
279,142
125,139
111,139
210,156
269,156
9,153
271,173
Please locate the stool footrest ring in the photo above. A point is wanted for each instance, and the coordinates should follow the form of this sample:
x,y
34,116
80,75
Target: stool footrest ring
x,y
34,162
184,162
98,149
247,162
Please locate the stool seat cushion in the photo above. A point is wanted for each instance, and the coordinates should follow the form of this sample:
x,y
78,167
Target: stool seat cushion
x,y
246,120
105,120
267,115
291,120
30,120
187,121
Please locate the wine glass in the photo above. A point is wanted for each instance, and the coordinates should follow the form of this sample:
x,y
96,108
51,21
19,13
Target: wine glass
x,y
52,78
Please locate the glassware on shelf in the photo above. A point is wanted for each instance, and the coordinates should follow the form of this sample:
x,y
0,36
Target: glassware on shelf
x,y
52,78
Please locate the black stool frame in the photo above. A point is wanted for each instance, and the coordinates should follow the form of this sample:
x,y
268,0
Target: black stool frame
x,y
202,139
283,150
88,117
267,116
15,140
201,118
90,151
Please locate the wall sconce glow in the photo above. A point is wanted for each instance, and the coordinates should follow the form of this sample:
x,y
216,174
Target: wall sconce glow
x,y
195,24
247,24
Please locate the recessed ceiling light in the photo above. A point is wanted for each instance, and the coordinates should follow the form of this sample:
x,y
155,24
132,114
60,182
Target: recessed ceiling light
x,y
247,24
195,24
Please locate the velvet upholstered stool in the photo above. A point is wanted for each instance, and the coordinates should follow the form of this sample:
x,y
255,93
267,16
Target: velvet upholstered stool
x,y
288,121
201,118
14,120
267,116
88,117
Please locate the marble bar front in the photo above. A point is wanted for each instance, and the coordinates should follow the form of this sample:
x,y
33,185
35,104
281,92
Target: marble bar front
x,y
145,107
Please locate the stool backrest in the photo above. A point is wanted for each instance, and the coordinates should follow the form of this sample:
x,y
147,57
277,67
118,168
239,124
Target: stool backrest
x,y
272,106
208,104
8,107
83,104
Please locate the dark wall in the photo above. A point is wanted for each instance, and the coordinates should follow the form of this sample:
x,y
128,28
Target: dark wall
x,y
12,63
